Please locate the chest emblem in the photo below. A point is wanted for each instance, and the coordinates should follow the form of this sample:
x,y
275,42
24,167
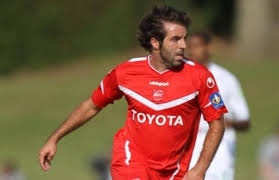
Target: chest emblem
x,y
158,94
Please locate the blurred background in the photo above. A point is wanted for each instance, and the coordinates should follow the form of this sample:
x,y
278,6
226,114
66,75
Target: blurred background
x,y
54,53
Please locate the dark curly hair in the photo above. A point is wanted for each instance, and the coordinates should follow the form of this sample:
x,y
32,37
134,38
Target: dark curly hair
x,y
152,24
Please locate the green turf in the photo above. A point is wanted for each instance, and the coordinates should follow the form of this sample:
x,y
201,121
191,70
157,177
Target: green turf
x,y
33,104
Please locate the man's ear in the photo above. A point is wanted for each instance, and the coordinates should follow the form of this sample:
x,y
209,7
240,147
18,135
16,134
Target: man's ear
x,y
155,43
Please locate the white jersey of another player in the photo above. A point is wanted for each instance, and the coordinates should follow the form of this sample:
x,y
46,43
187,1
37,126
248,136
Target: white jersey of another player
x,y
222,166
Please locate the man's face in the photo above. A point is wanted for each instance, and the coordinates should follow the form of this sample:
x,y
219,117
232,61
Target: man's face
x,y
173,45
198,50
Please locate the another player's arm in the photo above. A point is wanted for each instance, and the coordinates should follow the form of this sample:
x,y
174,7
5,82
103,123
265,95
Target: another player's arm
x,y
82,114
242,125
238,107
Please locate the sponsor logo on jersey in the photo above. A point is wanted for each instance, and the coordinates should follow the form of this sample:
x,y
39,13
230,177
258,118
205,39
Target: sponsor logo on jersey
x,y
158,94
210,82
156,83
216,100
159,120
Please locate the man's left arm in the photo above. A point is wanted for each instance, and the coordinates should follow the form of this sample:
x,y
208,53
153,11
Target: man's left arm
x,y
212,108
211,144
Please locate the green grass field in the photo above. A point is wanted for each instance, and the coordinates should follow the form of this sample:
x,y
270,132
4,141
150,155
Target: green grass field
x,y
33,104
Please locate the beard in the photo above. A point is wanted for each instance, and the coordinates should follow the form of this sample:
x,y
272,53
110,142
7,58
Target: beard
x,y
168,59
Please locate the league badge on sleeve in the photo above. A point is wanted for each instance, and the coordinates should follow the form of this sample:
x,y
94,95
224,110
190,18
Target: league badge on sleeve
x,y
216,100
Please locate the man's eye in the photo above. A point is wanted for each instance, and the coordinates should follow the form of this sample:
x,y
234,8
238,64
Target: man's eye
x,y
176,39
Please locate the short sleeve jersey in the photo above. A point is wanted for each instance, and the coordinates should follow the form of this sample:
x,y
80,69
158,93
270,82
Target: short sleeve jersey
x,y
164,108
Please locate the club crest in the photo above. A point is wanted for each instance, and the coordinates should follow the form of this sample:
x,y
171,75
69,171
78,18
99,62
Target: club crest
x,y
158,94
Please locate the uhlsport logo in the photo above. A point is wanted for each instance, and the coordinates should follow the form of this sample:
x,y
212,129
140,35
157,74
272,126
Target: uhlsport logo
x,y
159,120
156,83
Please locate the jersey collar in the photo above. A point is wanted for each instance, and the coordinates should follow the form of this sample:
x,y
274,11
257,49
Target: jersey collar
x,y
149,64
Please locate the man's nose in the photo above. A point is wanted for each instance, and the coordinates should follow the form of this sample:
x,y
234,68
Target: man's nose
x,y
182,44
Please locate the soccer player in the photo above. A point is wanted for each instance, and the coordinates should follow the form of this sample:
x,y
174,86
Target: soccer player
x,y
166,94
269,157
222,166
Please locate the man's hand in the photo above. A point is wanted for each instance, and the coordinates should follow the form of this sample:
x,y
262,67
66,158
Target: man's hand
x,y
46,155
82,114
194,174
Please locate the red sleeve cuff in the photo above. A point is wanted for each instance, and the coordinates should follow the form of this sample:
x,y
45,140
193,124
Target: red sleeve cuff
x,y
210,114
98,99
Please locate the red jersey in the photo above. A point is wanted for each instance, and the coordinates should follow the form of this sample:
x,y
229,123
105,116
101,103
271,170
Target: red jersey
x,y
164,109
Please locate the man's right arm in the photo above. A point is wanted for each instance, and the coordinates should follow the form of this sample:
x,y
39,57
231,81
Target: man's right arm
x,y
82,114
106,93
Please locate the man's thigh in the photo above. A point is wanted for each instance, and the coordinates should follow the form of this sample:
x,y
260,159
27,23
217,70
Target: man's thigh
x,y
132,172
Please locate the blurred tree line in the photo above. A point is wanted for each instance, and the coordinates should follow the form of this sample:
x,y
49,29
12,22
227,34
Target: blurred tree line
x,y
35,33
